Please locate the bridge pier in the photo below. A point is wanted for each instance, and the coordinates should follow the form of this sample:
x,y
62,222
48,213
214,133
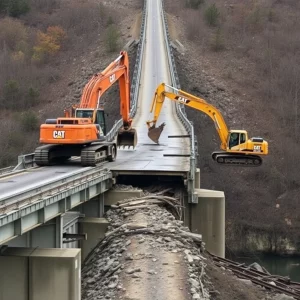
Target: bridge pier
x,y
207,217
32,274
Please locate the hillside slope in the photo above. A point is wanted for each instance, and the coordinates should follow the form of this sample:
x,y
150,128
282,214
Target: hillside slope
x,y
91,29
243,58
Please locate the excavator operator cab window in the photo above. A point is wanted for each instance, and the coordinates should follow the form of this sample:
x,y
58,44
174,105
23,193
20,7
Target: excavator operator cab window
x,y
84,113
234,139
242,138
100,119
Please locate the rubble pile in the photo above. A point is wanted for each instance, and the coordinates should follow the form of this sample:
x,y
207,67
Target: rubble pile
x,y
147,252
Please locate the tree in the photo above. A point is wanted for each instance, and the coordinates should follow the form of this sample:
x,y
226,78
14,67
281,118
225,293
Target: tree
x,y
14,8
112,38
48,43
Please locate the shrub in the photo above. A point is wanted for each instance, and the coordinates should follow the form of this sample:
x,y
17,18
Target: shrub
x,y
212,15
16,8
194,4
12,33
110,21
29,121
11,94
112,38
45,5
218,41
31,97
18,56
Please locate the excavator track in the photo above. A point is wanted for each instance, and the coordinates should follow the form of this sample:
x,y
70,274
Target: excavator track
x,y
41,155
90,155
237,159
97,153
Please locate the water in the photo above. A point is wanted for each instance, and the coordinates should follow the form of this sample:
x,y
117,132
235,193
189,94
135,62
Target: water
x,y
276,265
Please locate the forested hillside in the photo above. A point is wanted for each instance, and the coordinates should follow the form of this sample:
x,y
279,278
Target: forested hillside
x,y
48,51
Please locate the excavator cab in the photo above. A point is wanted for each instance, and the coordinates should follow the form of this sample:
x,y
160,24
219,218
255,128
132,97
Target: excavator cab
x,y
236,138
89,113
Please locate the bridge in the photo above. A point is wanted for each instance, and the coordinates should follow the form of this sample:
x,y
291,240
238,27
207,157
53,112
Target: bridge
x,y
40,206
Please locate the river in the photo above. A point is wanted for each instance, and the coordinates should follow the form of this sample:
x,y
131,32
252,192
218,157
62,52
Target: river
x,y
276,265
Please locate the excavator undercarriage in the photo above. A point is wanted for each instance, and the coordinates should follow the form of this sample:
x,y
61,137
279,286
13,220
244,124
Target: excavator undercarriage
x,y
91,155
239,159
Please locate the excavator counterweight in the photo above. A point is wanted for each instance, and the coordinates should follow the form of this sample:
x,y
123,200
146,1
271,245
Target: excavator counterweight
x,y
237,148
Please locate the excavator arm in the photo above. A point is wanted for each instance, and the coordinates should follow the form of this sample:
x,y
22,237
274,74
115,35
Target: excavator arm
x,y
118,70
191,101
237,148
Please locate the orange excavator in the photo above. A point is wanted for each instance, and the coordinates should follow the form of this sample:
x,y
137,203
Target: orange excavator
x,y
81,132
237,148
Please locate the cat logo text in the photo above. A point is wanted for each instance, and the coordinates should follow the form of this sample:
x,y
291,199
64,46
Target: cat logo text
x,y
59,134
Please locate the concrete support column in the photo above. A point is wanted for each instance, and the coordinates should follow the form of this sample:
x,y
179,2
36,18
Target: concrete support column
x,y
95,229
208,218
34,274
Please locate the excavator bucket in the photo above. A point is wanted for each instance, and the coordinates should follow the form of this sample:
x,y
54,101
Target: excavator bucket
x,y
127,138
155,132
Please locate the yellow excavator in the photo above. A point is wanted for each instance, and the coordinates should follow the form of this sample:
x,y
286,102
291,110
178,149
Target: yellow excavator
x,y
237,148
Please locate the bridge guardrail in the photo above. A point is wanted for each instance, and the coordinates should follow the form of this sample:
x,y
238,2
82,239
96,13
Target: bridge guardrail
x,y
135,81
180,109
6,170
43,191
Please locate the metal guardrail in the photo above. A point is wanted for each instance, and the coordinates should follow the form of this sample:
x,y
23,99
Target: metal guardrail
x,y
6,170
24,161
135,81
29,196
180,109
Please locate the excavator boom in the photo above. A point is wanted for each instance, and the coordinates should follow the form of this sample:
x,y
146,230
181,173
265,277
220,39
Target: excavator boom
x,y
237,148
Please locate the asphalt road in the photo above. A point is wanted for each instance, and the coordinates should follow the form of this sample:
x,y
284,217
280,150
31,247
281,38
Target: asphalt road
x,y
147,156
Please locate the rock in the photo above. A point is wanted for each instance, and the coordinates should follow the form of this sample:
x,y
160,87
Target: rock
x,y
196,296
194,283
151,272
190,259
282,297
91,281
128,243
246,281
113,285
